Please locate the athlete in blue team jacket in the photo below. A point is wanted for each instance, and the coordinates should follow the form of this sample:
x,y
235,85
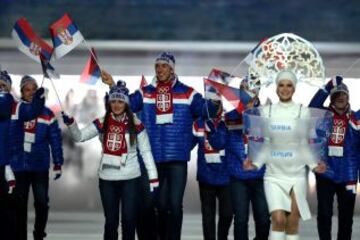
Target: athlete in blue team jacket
x,y
343,159
246,186
31,144
168,108
24,112
214,182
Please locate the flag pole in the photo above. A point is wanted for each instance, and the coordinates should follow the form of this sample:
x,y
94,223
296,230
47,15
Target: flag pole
x,y
206,100
57,95
47,75
244,59
351,66
237,66
42,81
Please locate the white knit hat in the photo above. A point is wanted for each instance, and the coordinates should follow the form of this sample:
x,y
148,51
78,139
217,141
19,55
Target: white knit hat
x,y
286,75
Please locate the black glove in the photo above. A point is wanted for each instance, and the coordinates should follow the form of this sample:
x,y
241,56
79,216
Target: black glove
x,y
40,93
68,120
209,126
333,83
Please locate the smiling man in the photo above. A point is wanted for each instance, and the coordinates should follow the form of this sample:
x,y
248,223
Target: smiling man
x,y
11,110
167,108
31,145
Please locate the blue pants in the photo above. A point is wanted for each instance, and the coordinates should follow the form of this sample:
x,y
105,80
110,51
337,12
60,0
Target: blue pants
x,y
172,178
39,181
243,192
112,192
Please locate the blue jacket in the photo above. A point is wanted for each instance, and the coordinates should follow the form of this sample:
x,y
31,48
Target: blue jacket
x,y
170,142
229,136
24,112
209,173
342,169
35,156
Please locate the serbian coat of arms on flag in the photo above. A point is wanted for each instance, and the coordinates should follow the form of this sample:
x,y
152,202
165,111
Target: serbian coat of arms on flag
x,y
65,36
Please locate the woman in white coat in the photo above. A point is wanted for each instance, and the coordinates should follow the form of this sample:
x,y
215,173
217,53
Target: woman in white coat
x,y
286,155
121,133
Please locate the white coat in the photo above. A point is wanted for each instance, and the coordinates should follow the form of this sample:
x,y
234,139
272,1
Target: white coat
x,y
286,154
132,167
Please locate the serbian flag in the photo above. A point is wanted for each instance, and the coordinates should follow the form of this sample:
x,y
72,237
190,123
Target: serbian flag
x,y
143,82
28,42
65,36
235,97
220,77
91,72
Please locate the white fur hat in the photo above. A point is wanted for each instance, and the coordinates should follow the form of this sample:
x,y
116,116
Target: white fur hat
x,y
286,75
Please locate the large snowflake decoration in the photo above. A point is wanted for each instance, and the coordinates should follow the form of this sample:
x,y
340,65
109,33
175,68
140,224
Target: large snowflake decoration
x,y
287,51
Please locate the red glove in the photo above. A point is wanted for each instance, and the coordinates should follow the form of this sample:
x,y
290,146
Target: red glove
x,y
154,183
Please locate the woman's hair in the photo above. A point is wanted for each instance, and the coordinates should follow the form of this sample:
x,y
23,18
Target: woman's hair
x,y
131,126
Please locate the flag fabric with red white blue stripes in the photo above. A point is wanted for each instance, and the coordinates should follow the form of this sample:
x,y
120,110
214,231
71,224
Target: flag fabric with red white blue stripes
x,y
91,72
237,98
143,82
29,42
217,76
65,36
